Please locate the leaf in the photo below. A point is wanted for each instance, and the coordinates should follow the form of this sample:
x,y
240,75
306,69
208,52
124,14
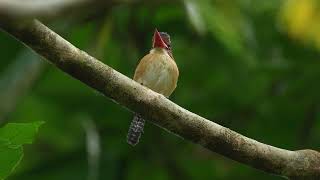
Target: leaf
x,y
10,158
12,137
195,16
20,133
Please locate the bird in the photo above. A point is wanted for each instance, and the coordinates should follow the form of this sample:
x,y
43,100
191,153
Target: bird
x,y
157,71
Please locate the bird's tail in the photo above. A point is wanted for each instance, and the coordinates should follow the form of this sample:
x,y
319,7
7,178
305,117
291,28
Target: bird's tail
x,y
135,130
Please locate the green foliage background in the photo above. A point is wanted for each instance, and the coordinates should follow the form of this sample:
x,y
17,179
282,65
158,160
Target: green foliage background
x,y
238,67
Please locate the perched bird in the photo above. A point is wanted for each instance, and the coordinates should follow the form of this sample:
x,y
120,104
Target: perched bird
x,y
157,71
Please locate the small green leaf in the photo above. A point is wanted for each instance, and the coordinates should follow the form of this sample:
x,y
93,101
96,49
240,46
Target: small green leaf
x,y
12,137
9,158
20,133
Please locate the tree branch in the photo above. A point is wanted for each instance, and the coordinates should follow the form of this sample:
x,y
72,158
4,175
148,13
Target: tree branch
x,y
303,164
36,8
29,9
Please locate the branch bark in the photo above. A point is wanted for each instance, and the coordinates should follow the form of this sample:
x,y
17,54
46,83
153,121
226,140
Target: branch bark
x,y
36,8
301,164
48,9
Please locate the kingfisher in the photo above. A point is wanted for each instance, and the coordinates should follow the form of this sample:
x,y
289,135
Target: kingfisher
x,y
157,71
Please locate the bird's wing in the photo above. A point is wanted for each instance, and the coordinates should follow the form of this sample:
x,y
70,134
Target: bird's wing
x,y
141,68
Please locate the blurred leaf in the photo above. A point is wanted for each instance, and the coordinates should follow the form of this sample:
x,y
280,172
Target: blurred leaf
x,y
102,37
20,133
12,137
195,16
227,23
10,157
223,20
300,20
17,80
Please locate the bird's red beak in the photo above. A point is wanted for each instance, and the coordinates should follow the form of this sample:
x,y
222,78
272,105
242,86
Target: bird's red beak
x,y
158,41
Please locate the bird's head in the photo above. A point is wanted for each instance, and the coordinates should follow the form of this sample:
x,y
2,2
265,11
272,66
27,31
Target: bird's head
x,y
162,40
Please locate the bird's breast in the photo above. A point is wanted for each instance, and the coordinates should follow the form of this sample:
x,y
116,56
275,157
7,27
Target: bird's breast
x,y
158,72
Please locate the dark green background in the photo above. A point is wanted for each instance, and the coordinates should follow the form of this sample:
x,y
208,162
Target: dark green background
x,y
238,67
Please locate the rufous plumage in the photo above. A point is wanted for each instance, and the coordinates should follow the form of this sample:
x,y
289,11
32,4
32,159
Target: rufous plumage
x,y
157,71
